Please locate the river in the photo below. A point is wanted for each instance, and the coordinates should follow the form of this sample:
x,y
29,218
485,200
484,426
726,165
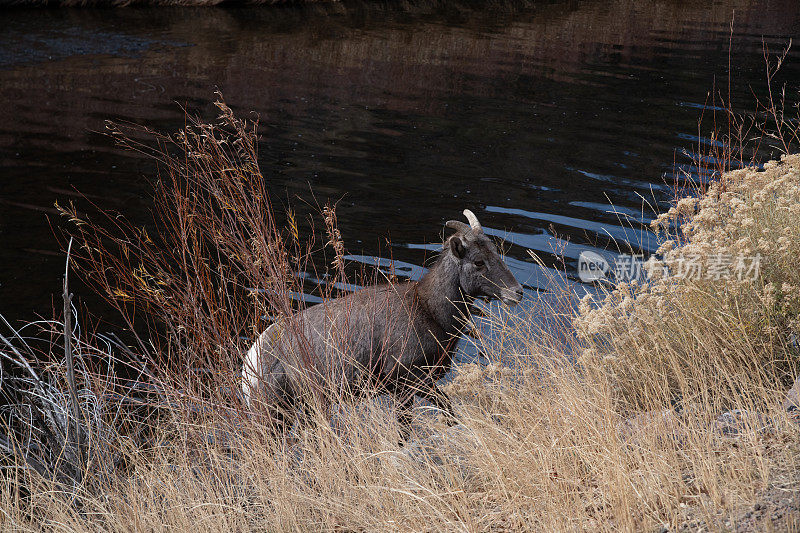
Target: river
x,y
558,123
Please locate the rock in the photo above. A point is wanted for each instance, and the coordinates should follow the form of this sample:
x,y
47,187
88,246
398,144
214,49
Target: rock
x,y
734,423
448,447
663,424
792,401
218,437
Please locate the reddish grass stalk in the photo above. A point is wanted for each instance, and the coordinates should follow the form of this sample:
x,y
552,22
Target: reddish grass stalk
x,y
217,269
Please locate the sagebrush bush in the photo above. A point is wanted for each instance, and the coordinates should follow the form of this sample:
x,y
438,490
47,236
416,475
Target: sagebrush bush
x,y
732,315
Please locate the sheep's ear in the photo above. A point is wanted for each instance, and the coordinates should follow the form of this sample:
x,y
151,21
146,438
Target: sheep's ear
x,y
457,246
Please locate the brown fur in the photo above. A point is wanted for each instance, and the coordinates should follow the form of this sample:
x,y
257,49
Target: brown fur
x,y
398,337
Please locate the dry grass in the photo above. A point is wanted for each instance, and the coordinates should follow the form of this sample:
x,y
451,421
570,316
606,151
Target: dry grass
x,y
543,446
604,421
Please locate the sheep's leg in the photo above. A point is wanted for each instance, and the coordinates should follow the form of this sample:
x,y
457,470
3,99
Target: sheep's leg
x,y
277,422
430,392
280,402
405,403
269,410
306,415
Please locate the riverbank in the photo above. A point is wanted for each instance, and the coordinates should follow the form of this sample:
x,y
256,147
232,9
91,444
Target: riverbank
x,y
658,406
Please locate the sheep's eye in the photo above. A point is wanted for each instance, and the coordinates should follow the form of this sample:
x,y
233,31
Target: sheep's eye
x,y
480,264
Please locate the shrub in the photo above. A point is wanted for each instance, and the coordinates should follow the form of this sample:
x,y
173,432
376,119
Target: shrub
x,y
732,321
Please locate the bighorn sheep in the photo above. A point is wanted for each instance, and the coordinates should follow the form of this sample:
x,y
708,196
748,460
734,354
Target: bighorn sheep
x,y
399,337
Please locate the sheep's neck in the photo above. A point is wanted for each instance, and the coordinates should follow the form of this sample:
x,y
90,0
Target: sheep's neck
x,y
440,294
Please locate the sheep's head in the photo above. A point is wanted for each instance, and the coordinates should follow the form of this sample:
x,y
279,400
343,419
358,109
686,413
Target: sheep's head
x,y
482,271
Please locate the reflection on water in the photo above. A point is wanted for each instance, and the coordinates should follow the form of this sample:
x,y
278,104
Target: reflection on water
x,y
553,121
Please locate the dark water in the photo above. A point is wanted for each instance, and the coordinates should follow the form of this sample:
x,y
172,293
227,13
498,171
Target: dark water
x,y
537,116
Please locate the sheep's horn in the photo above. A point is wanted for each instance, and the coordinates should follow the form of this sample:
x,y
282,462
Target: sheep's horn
x,y
473,220
457,225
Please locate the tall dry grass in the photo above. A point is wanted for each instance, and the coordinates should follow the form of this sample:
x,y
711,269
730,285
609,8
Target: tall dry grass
x,y
604,420
542,445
